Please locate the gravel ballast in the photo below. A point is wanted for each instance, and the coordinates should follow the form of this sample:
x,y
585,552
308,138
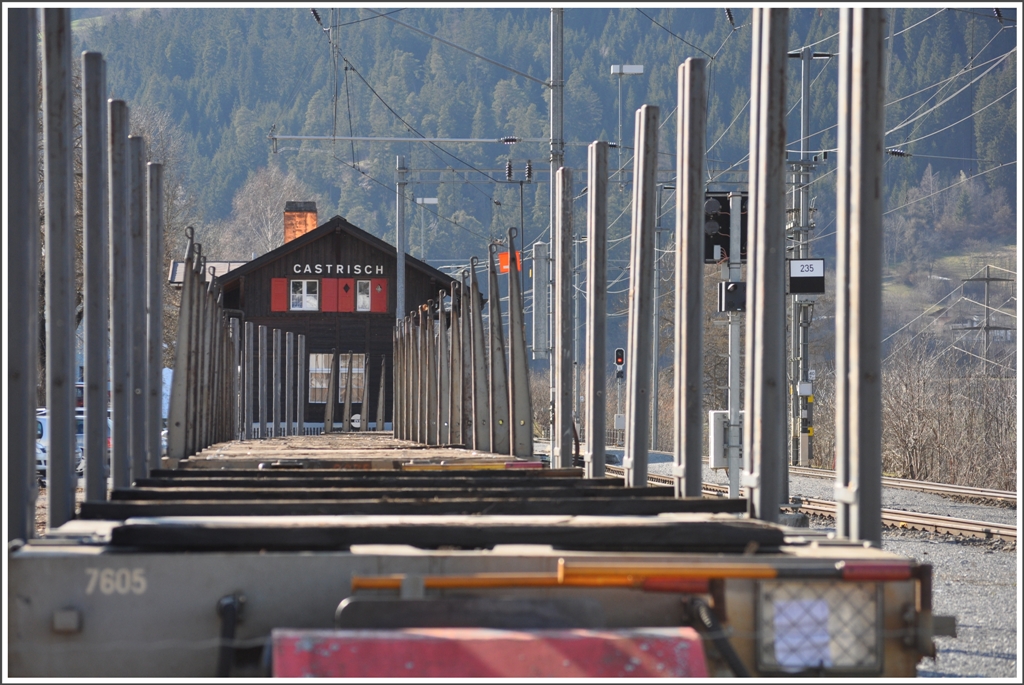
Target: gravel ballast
x,y
974,580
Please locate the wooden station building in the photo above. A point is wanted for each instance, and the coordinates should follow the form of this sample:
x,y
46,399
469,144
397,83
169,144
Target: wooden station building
x,y
336,285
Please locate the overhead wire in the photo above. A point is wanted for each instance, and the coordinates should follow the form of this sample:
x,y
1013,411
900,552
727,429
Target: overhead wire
x,y
969,116
987,361
348,104
914,118
832,126
353,166
414,130
896,209
819,42
923,314
359,21
931,307
991,308
963,180
673,34
981,14
944,81
936,357
303,78
395,193
334,75
938,104
919,23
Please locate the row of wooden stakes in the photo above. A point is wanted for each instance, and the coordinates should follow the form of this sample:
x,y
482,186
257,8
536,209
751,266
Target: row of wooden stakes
x,y
456,382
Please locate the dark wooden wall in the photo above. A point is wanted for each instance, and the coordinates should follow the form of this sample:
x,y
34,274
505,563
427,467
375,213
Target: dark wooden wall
x,y
359,332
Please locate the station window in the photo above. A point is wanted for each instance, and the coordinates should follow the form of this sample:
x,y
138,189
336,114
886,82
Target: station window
x,y
362,296
305,295
320,377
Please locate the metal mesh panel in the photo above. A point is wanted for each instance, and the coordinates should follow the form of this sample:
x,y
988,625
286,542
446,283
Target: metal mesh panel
x,y
819,626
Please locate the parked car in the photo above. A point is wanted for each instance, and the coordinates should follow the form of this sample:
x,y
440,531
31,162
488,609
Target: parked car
x,y
43,441
43,447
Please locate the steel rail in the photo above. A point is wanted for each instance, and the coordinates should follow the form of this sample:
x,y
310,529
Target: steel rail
x,y
893,518
918,485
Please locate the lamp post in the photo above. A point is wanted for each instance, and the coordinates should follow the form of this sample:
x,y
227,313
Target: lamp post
x,y
424,201
619,70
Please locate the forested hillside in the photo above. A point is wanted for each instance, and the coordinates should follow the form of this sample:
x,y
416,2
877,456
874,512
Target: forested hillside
x,y
229,77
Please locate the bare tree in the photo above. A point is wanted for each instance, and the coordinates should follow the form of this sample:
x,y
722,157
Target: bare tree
x,y
257,222
165,144
945,418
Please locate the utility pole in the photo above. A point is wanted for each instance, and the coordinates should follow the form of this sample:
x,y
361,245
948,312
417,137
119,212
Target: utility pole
x,y
619,70
802,306
423,230
987,327
400,237
556,162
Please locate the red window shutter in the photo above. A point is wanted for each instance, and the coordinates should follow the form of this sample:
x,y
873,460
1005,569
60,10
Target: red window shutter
x,y
329,295
346,295
278,294
379,295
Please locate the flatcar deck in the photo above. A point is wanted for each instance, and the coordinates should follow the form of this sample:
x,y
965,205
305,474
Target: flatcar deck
x,y
287,532
376,475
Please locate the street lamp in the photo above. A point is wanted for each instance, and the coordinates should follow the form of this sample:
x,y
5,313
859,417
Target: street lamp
x,y
424,201
619,70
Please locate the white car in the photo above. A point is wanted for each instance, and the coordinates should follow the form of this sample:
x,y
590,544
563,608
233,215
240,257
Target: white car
x,y
43,442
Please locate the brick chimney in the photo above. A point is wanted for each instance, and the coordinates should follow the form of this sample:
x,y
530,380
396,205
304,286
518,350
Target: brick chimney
x,y
299,219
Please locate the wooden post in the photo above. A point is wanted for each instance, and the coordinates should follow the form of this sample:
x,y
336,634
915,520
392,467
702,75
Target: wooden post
x,y
859,252
120,305
689,335
380,394
264,407
455,436
346,425
289,383
444,388
302,386
481,416
641,300
466,336
765,402
155,314
59,202
398,381
23,267
519,376
275,398
562,348
597,312
500,433
96,273
430,367
137,284
332,389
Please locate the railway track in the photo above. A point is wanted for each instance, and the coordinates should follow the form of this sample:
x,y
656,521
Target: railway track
x,y
919,486
1004,497
893,518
